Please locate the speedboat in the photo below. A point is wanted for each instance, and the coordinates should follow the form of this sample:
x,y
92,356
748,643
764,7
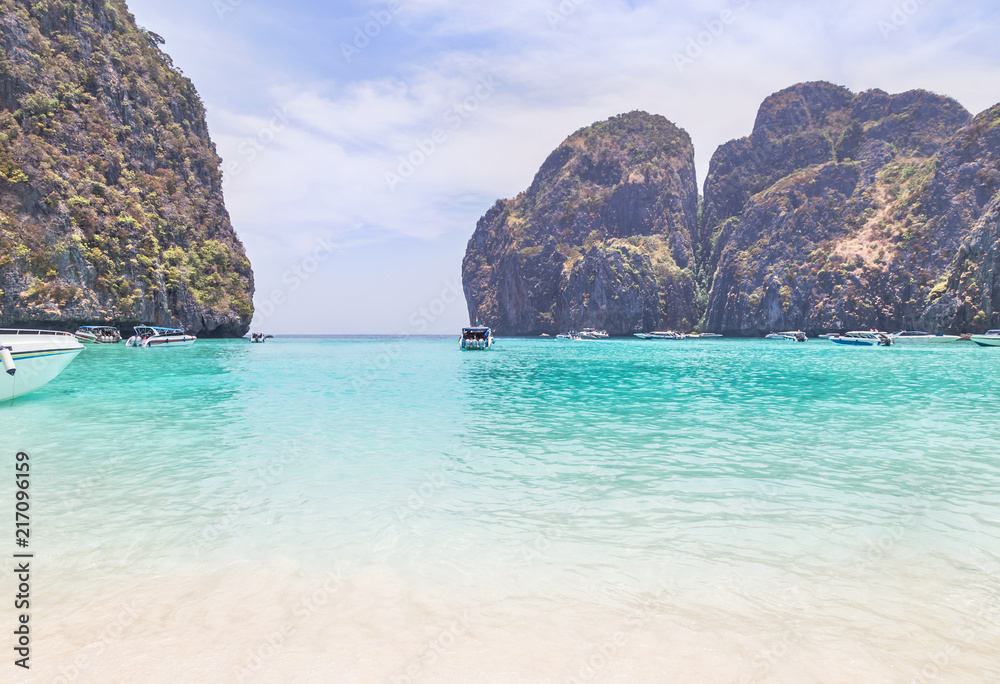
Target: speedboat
x,y
99,334
917,337
863,338
570,337
32,358
149,336
990,339
660,335
593,334
259,337
791,336
477,338
709,336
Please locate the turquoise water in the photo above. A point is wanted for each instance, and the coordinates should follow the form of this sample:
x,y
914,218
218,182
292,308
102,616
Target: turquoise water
x,y
717,510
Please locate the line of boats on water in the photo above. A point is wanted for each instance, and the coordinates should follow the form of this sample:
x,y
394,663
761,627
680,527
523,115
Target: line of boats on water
x,y
146,336
593,334
876,338
480,337
33,358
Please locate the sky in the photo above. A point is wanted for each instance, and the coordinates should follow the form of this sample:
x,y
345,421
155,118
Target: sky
x,y
361,141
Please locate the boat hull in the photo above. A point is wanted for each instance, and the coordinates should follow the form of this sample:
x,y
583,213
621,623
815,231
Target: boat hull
x,y
37,362
160,342
171,341
853,343
659,337
794,336
986,340
920,341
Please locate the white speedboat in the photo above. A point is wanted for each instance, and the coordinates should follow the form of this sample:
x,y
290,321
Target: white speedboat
x,y
709,336
593,334
863,338
908,337
260,338
660,335
477,338
790,336
98,334
32,358
570,337
990,339
150,336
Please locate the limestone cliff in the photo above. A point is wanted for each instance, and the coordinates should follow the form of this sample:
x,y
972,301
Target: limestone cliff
x,y
111,204
826,217
840,210
602,237
967,192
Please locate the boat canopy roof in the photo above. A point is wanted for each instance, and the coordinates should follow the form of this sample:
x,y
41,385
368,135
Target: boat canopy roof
x,y
476,329
993,332
158,329
97,327
20,331
913,333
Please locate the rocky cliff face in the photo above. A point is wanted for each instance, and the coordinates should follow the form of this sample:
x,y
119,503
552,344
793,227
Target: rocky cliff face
x,y
602,238
829,215
111,206
967,192
839,211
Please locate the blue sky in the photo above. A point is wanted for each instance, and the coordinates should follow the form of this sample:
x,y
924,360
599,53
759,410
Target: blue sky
x,y
313,105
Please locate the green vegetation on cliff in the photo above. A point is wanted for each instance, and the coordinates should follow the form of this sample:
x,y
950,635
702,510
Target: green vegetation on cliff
x,y
111,202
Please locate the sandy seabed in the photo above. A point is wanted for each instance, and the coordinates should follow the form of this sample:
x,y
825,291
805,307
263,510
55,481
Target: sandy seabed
x,y
276,622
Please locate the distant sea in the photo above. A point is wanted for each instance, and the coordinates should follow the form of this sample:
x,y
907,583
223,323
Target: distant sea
x,y
394,510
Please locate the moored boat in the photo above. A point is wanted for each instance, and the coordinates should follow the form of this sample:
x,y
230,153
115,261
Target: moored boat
x,y
863,338
909,337
98,334
709,336
150,336
33,358
790,336
593,334
570,337
660,335
990,339
259,337
477,338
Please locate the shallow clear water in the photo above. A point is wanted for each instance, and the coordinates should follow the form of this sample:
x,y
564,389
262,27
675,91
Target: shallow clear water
x,y
389,510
